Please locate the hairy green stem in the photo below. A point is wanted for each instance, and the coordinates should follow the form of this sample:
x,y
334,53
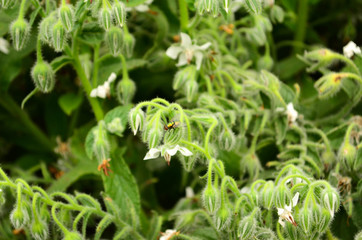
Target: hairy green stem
x,y
301,25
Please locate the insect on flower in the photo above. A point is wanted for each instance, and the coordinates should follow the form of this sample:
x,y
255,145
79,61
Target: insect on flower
x,y
171,125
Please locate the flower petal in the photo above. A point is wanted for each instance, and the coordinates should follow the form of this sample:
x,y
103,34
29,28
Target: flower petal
x,y
112,77
198,56
173,51
142,8
295,199
185,41
173,151
280,211
182,60
205,46
184,151
4,46
281,222
152,153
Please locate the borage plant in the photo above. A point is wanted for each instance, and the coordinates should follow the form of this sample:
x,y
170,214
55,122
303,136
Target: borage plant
x,y
263,154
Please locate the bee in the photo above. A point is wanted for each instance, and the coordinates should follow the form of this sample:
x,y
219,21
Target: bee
x,y
171,125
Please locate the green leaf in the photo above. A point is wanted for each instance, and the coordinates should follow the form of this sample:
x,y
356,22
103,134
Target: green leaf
x,y
134,3
92,34
120,185
281,126
81,169
69,102
60,62
253,6
116,119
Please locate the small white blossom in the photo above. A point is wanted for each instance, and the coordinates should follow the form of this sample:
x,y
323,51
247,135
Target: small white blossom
x,y
166,152
292,114
4,46
286,212
350,49
186,51
141,7
189,192
104,90
169,234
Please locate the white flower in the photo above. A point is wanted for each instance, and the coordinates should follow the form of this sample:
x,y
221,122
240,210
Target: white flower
x,y
297,180
186,51
4,46
189,192
104,90
169,234
291,113
350,49
286,212
141,7
166,152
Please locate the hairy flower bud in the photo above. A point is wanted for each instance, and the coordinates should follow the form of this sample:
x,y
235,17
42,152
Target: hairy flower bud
x,y
136,120
43,76
7,3
126,89
19,217
246,228
191,88
201,6
265,62
114,39
211,199
348,154
325,220
268,195
128,44
58,36
105,18
223,217
183,75
66,15
330,200
306,219
173,136
19,31
39,230
101,147
45,29
227,139
154,137
72,236
282,196
119,12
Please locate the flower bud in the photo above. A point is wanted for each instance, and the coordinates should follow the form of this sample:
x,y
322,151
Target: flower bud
x,y
45,29
227,139
188,162
329,84
348,154
136,119
66,15
215,8
154,137
119,12
325,220
72,236
114,39
191,88
246,228
19,217
265,234
183,75
265,62
39,230
19,33
101,147
330,200
211,199
58,36
126,89
305,219
282,196
268,195
116,126
222,217
128,44
105,18
277,14
201,6
43,76
173,136
7,3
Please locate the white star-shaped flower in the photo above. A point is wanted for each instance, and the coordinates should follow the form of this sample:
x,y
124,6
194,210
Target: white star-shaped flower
x,y
286,212
169,234
167,152
104,90
4,46
186,51
350,49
